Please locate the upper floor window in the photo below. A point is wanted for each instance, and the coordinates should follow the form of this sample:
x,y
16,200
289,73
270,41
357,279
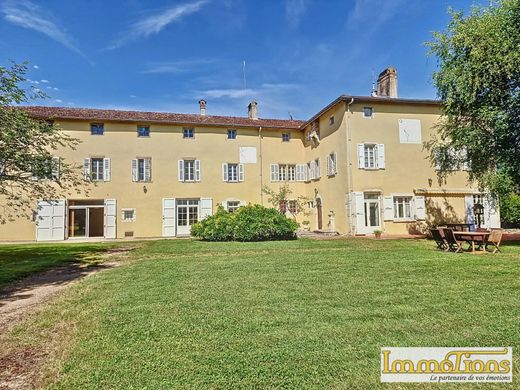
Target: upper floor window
x,y
97,128
189,170
188,132
143,131
288,172
368,112
402,207
331,120
286,137
232,134
97,168
232,172
332,166
142,169
371,156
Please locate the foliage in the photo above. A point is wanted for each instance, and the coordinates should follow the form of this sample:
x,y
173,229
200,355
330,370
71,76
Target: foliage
x,y
478,80
248,223
281,198
27,146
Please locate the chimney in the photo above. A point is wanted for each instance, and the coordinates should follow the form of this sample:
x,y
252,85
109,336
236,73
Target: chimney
x,y
252,110
387,83
202,105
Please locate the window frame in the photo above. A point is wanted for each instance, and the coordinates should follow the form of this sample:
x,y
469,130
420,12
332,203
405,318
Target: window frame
x,y
98,125
403,201
188,132
123,214
371,112
332,120
139,127
186,170
232,169
375,156
102,166
286,137
232,134
234,207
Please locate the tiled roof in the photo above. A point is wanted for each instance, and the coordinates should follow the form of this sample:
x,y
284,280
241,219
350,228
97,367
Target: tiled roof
x,y
92,114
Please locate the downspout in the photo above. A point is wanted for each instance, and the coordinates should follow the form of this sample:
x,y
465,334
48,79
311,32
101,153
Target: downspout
x,y
261,167
350,186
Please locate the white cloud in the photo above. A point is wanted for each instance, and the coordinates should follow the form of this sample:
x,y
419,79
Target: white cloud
x,y
44,81
36,67
132,96
295,10
153,24
33,81
58,100
56,89
28,15
175,66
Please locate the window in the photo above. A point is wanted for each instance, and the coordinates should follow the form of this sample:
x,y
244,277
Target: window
x,y
142,169
286,137
128,215
288,172
332,164
283,206
97,128
233,205
143,131
232,173
291,172
232,134
317,169
331,120
189,170
282,172
402,207
368,112
371,156
293,207
188,132
96,169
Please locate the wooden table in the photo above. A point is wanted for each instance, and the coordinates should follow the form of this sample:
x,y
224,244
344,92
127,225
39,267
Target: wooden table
x,y
473,238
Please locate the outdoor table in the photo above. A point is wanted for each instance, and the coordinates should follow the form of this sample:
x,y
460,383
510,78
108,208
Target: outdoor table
x,y
473,238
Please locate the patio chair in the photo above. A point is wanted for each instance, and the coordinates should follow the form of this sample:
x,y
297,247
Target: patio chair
x,y
482,230
453,244
439,239
494,239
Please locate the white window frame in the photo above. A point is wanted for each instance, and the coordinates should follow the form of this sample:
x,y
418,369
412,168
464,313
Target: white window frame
x,y
332,164
233,205
400,199
286,137
368,116
100,169
378,156
147,169
183,169
123,211
230,132
185,131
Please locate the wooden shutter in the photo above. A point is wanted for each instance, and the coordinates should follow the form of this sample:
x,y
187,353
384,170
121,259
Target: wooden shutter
x,y
357,212
134,170
197,170
51,220
388,208
147,169
468,205
317,169
110,213
55,171
381,156
181,170
86,168
420,208
206,208
240,172
224,172
361,156
334,163
168,217
106,169
275,176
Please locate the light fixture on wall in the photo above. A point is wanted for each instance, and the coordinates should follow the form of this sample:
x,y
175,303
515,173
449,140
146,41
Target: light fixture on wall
x,y
145,190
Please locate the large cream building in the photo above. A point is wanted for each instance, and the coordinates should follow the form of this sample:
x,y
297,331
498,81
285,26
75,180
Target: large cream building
x,y
360,162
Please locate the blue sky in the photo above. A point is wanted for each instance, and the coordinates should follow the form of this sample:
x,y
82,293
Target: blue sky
x,y
166,55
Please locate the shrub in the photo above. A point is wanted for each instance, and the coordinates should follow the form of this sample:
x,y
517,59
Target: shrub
x,y
248,223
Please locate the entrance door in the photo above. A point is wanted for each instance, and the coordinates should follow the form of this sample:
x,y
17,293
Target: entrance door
x,y
372,212
319,211
187,215
78,222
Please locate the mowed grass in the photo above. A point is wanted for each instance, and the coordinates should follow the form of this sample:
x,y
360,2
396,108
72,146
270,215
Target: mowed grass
x,y
19,260
299,314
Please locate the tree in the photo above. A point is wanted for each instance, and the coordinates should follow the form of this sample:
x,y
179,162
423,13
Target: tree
x,y
30,168
280,200
478,81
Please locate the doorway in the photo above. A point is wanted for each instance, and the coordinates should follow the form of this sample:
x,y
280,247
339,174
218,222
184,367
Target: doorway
x,y
86,219
187,215
372,211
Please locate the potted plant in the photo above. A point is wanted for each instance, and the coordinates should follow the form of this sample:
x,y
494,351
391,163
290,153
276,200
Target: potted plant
x,y
378,233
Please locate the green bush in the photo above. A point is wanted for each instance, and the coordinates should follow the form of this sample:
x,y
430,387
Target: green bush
x,y
248,223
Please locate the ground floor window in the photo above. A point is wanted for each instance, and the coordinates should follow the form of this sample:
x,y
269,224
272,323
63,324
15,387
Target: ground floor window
x,y
402,207
371,205
233,205
293,207
128,215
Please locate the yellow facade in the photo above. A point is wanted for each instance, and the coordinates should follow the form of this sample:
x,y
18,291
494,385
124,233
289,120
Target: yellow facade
x,y
407,175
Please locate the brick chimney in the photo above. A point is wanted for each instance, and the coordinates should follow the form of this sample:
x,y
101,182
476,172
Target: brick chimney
x,y
252,110
202,106
387,83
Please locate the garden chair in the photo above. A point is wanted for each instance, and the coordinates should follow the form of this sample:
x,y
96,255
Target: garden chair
x,y
439,239
482,230
453,244
494,239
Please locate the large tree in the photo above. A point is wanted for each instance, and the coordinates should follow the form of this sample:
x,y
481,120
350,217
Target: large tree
x,y
478,80
30,166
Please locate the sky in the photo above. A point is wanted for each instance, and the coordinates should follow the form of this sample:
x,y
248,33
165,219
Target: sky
x,y
165,55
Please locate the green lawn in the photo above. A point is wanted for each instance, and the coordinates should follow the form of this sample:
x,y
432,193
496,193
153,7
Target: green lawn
x,y
17,261
300,314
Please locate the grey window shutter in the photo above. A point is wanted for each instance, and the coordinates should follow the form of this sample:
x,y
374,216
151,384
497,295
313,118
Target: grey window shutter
x,y
224,172
197,170
361,156
106,169
134,170
86,168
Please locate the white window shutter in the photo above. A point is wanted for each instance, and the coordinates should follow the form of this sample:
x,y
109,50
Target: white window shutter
x,y
361,156
86,168
312,171
224,205
240,172
329,171
317,173
106,169
55,172
381,156
468,205
357,207
147,169
206,208
388,208
420,208
335,163
274,173
197,170
110,213
181,170
491,211
224,172
134,170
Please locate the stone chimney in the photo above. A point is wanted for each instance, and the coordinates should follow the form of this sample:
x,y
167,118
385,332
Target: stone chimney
x,y
252,110
387,83
202,106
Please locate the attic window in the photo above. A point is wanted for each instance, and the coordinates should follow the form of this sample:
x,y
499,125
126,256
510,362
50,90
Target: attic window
x,y
331,120
286,137
368,112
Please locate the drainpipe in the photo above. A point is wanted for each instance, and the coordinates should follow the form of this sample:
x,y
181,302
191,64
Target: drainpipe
x,y
350,186
261,166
